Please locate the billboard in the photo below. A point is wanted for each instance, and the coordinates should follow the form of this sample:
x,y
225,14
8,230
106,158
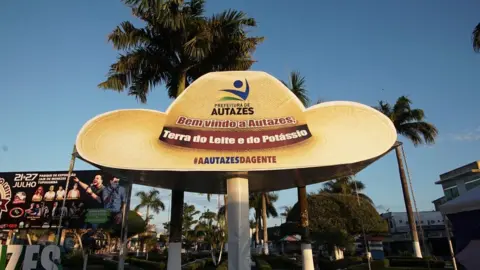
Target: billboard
x,y
93,199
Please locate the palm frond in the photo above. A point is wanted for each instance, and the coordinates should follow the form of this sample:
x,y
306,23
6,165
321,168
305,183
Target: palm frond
x,y
297,85
409,122
126,36
476,38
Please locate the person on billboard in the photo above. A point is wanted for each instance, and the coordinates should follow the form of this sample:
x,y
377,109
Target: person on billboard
x,y
30,211
114,197
60,193
38,195
95,189
50,195
74,193
45,211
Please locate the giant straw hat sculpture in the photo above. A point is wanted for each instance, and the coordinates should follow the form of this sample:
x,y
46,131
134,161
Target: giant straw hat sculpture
x,y
237,121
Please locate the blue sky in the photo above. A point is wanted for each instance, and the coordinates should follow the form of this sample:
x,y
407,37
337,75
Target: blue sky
x,y
54,53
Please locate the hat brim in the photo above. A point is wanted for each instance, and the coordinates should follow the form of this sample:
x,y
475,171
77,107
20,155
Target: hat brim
x,y
342,133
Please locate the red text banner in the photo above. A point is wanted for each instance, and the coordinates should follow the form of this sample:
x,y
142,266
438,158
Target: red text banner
x,y
235,140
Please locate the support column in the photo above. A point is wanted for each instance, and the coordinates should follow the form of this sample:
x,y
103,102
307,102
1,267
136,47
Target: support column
x,y
238,221
175,239
408,203
124,232
306,245
70,171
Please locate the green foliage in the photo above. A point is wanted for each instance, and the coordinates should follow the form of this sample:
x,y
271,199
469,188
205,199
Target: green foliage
x,y
262,264
333,218
146,264
151,201
198,264
280,262
476,38
73,259
409,122
177,45
223,266
296,84
189,220
347,186
136,225
415,262
326,264
376,265
212,227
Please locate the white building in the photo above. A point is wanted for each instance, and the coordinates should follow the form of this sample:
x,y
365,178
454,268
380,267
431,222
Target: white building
x,y
458,181
430,224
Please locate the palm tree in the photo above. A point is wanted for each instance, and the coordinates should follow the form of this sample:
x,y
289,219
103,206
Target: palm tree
x,y
476,38
213,229
264,208
346,186
286,211
177,45
411,124
296,84
151,201
298,87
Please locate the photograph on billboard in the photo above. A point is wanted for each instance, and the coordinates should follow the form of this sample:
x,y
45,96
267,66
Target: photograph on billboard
x,y
93,199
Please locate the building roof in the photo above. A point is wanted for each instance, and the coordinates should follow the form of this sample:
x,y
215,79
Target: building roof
x,y
465,170
466,202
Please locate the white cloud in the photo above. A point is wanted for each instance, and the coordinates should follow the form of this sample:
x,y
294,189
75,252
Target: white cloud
x,y
467,136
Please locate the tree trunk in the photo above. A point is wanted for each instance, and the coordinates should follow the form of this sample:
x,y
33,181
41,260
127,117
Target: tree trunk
x,y
408,204
220,255
182,81
302,200
85,260
264,221
225,202
175,239
212,253
146,229
306,246
257,230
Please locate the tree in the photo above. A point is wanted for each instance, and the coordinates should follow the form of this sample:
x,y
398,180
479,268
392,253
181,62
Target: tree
x,y
188,222
263,205
334,218
346,186
476,38
212,227
296,84
286,210
411,124
151,201
177,45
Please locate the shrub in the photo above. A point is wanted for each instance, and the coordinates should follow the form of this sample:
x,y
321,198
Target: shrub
x,y
223,266
415,262
262,264
113,265
326,264
280,262
74,259
198,264
146,264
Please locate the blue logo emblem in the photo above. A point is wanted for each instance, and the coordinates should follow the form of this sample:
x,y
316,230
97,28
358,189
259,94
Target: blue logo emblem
x,y
240,95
